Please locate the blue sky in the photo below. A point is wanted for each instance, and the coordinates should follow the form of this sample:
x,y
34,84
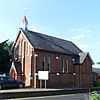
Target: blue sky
x,y
74,20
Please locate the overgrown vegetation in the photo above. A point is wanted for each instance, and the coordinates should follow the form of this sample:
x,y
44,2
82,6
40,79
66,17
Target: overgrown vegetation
x,y
5,48
95,96
96,83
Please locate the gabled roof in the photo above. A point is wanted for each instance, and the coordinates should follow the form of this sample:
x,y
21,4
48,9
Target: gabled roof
x,y
83,57
49,43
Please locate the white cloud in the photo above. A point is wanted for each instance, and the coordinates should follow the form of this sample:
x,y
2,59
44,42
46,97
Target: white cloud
x,y
36,29
76,29
83,47
80,30
98,43
81,35
89,31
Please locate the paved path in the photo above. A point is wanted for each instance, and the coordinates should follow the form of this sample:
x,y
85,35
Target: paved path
x,y
26,90
80,96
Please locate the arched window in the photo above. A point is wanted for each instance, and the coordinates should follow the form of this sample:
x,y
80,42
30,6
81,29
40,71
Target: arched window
x,y
20,49
23,48
66,65
63,65
49,63
43,63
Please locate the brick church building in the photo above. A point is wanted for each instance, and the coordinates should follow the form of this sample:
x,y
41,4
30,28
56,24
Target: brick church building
x,y
67,65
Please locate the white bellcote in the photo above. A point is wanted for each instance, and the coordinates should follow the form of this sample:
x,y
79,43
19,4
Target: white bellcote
x,y
25,23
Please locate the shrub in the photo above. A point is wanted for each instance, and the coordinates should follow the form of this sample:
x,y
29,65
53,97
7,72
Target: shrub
x,y
95,96
96,83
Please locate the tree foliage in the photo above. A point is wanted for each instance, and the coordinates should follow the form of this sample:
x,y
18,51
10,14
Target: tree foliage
x,y
98,63
4,56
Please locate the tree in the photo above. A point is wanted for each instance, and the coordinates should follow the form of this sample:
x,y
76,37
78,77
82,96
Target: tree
x,y
4,56
98,63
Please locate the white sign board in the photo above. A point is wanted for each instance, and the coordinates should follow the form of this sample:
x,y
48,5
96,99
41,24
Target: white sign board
x,y
43,75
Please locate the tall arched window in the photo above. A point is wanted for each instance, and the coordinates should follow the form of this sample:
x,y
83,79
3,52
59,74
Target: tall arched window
x,y
43,63
66,65
23,48
63,65
49,63
20,49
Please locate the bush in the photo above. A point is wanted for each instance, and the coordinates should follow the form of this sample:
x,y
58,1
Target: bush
x,y
95,96
96,83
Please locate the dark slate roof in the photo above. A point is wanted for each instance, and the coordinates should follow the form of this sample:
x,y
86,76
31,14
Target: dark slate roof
x,y
49,43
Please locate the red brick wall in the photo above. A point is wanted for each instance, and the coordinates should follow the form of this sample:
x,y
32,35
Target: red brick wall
x,y
84,78
86,73
63,79
26,58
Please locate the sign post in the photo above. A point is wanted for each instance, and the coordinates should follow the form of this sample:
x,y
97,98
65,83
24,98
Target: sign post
x,y
43,75
40,84
45,84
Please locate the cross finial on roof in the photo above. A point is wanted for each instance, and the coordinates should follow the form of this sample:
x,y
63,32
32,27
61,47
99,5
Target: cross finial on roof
x,y
25,22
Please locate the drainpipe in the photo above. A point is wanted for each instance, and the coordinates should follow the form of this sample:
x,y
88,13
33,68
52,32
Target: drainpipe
x,y
74,74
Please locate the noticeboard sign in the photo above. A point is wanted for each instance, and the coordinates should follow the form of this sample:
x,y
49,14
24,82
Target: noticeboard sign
x,y
43,75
